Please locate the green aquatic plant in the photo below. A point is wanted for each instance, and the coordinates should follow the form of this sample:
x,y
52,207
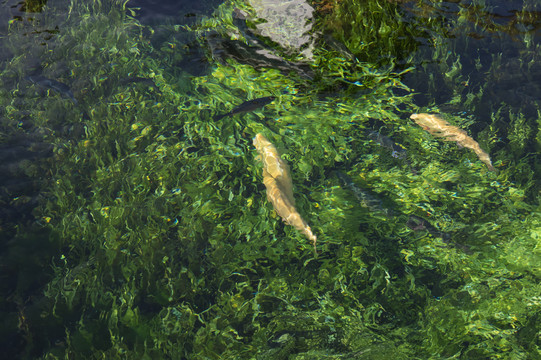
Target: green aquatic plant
x,y
378,32
164,244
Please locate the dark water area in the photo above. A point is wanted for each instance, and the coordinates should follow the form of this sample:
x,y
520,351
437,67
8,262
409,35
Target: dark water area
x,y
494,34
136,216
171,12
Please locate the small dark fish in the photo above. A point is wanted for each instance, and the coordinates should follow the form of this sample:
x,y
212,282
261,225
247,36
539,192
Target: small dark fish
x,y
397,151
366,199
417,223
57,86
247,106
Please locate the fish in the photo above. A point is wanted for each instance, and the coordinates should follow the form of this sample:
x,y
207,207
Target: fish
x,y
247,106
57,86
441,128
417,223
277,180
397,151
414,222
365,199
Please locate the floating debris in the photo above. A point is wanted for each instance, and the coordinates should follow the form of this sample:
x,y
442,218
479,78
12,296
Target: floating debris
x,y
441,128
277,180
247,106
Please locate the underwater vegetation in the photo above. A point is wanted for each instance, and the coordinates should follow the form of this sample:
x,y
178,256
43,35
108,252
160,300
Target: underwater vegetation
x,y
137,225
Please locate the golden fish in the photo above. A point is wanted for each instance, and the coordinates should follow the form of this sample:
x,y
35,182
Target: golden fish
x,y
441,128
277,180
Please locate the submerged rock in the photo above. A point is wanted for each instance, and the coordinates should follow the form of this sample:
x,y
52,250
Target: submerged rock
x,y
287,23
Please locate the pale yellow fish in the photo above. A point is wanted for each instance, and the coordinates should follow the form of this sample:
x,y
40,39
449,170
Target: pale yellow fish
x,y
277,180
441,128
274,165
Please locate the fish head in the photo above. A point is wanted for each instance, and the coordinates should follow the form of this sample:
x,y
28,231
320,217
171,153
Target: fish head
x,y
260,141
